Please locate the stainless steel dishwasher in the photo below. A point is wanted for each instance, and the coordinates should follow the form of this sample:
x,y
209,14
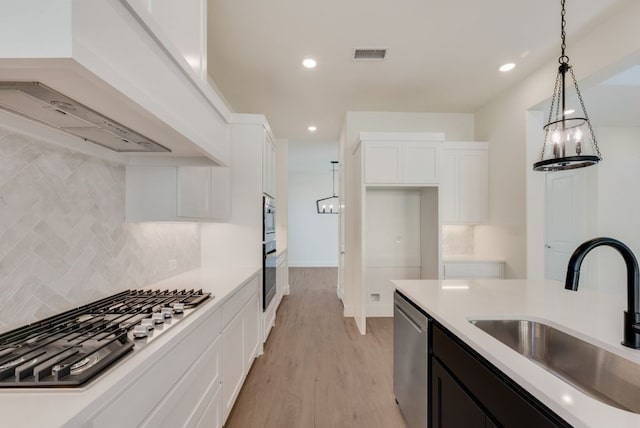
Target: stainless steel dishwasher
x,y
410,361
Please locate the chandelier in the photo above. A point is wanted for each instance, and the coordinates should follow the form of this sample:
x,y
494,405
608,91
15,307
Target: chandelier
x,y
331,204
569,142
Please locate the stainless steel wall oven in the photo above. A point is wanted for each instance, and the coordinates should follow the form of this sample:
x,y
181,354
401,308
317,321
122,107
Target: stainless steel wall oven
x,y
268,251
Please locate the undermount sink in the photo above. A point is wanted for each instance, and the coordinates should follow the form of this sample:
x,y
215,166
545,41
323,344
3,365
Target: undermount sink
x,y
601,374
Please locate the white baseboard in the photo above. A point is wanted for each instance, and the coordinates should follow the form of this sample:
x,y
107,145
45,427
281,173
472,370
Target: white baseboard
x,y
348,311
300,264
379,309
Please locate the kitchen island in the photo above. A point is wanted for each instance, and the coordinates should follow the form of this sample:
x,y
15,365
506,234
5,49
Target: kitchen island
x,y
591,316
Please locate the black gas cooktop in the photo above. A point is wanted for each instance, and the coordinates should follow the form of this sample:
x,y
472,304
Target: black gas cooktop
x,y
73,347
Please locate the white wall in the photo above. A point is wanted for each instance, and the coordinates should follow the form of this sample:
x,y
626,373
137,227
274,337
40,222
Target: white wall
x,y
63,239
618,214
238,242
313,237
515,196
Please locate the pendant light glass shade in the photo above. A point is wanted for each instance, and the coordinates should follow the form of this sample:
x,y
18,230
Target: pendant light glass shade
x,y
569,142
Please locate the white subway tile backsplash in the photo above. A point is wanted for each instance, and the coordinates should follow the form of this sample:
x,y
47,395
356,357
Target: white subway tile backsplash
x,y
63,240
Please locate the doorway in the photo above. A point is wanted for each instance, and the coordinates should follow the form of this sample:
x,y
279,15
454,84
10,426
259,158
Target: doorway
x,y
566,219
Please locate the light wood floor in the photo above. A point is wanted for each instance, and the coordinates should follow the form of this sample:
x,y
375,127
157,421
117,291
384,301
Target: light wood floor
x,y
317,370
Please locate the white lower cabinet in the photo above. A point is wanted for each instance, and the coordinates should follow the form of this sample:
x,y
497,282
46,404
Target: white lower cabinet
x,y
194,381
282,276
251,320
233,362
240,341
212,416
475,269
172,384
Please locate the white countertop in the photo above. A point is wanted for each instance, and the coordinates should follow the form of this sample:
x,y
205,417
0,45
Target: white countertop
x,y
31,407
471,259
594,317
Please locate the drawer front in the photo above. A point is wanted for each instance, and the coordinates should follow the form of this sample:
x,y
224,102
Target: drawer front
x,y
474,270
239,299
145,391
185,404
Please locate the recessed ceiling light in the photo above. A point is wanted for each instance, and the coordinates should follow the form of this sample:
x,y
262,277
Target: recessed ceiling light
x,y
309,62
569,111
507,67
312,128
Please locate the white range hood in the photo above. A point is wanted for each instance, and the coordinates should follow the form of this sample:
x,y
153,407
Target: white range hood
x,y
109,58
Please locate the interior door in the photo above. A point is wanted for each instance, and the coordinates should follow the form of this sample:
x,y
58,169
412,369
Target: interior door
x,y
566,222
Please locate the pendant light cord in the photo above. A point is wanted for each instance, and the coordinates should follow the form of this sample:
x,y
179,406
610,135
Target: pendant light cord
x,y
333,176
563,35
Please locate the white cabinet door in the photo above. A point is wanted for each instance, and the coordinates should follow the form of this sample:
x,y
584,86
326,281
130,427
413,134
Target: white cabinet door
x,y
382,163
282,276
178,193
251,315
474,186
220,193
232,362
420,162
212,416
269,167
449,201
464,188
194,192
184,22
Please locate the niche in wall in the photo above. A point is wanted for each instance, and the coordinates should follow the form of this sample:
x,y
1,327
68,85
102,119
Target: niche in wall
x,y
401,241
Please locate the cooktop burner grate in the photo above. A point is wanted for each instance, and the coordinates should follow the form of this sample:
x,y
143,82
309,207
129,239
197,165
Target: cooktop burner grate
x,y
70,348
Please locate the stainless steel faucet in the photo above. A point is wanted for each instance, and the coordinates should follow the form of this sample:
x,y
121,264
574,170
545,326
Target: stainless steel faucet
x,y
632,314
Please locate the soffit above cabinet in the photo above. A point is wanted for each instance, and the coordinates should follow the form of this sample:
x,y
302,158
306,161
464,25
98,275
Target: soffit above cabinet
x,y
112,58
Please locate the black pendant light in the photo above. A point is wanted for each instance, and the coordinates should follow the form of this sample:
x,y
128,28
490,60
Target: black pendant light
x,y
569,142
331,204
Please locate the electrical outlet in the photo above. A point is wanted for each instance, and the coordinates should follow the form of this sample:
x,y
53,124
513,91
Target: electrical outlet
x,y
374,297
173,265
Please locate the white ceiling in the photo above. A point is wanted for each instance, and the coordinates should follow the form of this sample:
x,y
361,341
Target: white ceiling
x,y
443,54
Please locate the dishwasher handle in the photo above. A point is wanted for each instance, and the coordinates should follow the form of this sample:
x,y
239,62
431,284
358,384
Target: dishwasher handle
x,y
410,320
417,319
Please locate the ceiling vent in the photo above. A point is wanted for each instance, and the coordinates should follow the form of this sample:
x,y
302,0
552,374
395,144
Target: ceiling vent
x,y
359,54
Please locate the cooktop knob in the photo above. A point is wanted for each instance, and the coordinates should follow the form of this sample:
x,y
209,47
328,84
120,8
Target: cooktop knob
x,y
178,308
157,317
148,322
140,331
167,312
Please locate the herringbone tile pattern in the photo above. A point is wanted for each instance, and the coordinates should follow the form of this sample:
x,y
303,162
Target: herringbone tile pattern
x,y
63,240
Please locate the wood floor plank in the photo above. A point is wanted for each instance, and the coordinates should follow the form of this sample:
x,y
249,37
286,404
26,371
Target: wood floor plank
x,y
317,370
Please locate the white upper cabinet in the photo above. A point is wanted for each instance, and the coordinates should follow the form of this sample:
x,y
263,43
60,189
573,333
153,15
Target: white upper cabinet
x,y
403,158
124,62
464,189
185,24
183,193
420,163
204,192
268,166
382,162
